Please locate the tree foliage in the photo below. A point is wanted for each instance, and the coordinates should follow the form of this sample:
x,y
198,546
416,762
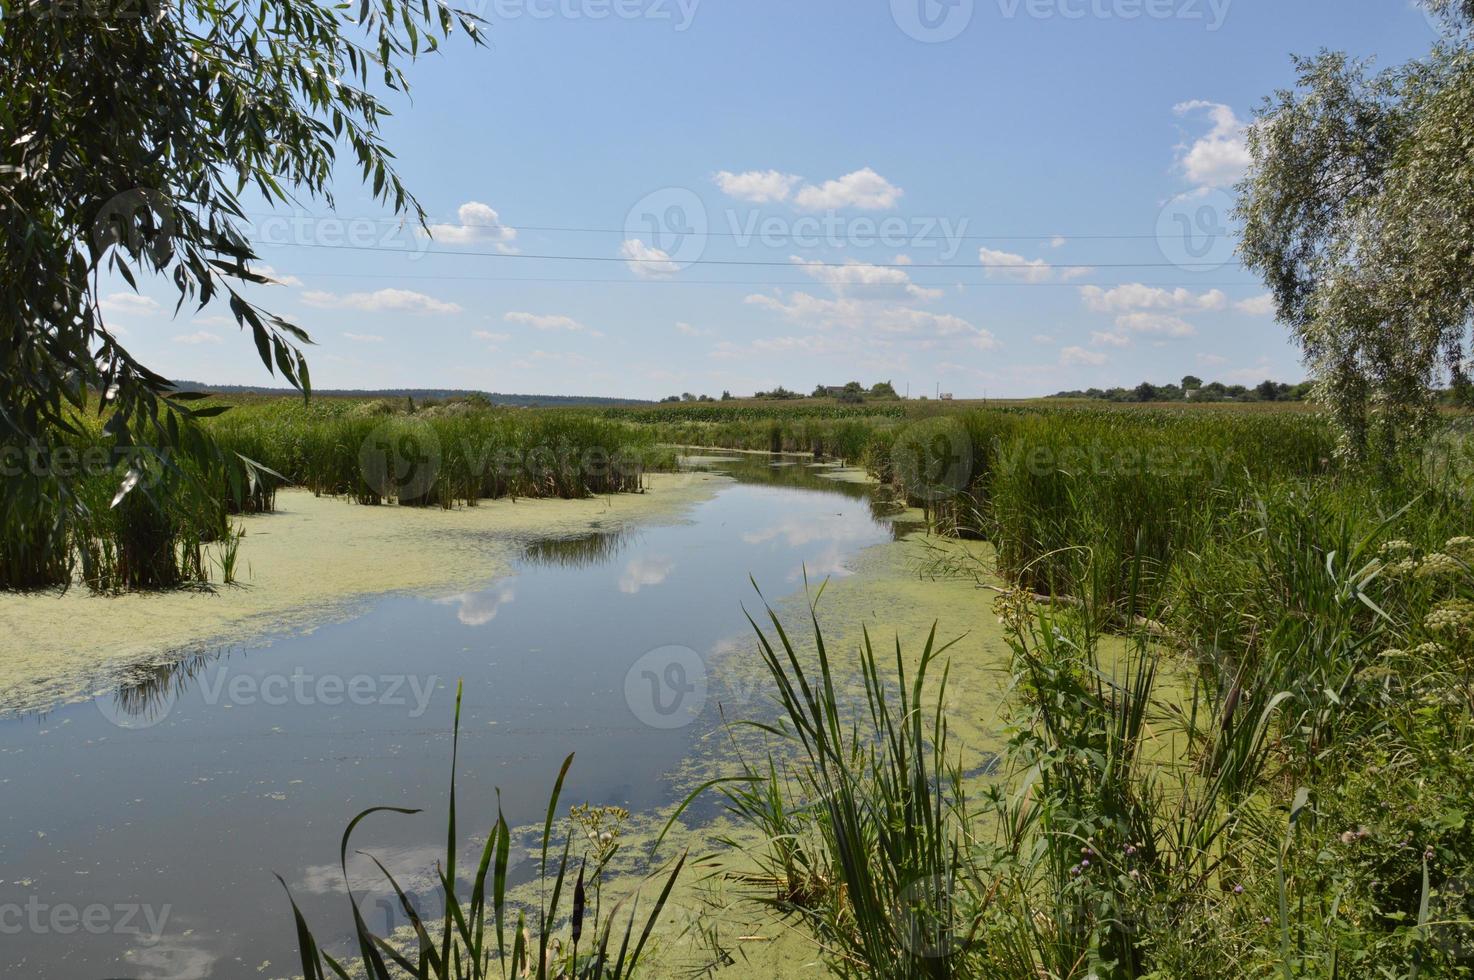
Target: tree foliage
x,y
1359,213
130,131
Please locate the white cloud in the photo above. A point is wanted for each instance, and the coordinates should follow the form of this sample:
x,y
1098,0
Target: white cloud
x,y
1058,241
647,261
1137,296
1007,265
1219,158
1156,323
198,337
128,304
856,273
646,571
1072,356
1210,360
691,331
479,608
883,318
864,189
480,224
1102,338
279,278
1044,340
1256,306
756,186
491,338
544,321
213,321
363,338
381,301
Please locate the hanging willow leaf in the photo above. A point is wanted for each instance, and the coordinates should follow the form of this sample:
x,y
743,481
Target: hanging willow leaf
x,y
130,130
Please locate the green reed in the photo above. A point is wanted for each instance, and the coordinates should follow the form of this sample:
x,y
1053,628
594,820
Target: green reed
x,y
157,533
483,933
1265,774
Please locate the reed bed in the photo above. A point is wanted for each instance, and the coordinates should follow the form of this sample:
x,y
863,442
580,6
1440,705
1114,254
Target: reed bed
x,y
373,452
172,526
1265,774
1046,484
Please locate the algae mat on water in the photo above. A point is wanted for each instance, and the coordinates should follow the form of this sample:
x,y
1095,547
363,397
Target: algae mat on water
x,y
315,560
884,590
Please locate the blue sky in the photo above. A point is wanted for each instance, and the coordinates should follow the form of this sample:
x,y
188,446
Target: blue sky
x,y
892,189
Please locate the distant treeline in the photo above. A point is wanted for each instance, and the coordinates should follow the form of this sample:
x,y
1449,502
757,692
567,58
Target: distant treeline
x,y
418,394
1193,389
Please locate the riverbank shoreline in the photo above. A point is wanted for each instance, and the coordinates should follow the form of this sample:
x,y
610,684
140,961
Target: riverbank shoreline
x,y
316,560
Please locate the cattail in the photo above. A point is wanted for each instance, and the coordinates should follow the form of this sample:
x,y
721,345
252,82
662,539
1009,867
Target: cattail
x,y
578,903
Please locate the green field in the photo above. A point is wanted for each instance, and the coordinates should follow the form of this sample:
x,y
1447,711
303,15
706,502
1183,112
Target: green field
x,y
1242,716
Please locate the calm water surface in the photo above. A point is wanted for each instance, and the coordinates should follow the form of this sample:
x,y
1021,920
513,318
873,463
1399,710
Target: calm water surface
x,y
165,807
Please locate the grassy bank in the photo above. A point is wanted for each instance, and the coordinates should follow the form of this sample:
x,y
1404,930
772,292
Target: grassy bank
x,y
134,521
1271,781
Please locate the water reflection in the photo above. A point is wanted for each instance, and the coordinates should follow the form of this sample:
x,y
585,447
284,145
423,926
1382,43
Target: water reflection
x,y
645,571
580,551
479,608
147,693
252,764
801,472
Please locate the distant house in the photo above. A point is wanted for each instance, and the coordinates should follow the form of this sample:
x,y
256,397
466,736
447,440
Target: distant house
x,y
945,396
832,391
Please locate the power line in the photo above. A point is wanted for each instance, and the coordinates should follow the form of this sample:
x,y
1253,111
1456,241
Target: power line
x,y
770,263
735,282
704,234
